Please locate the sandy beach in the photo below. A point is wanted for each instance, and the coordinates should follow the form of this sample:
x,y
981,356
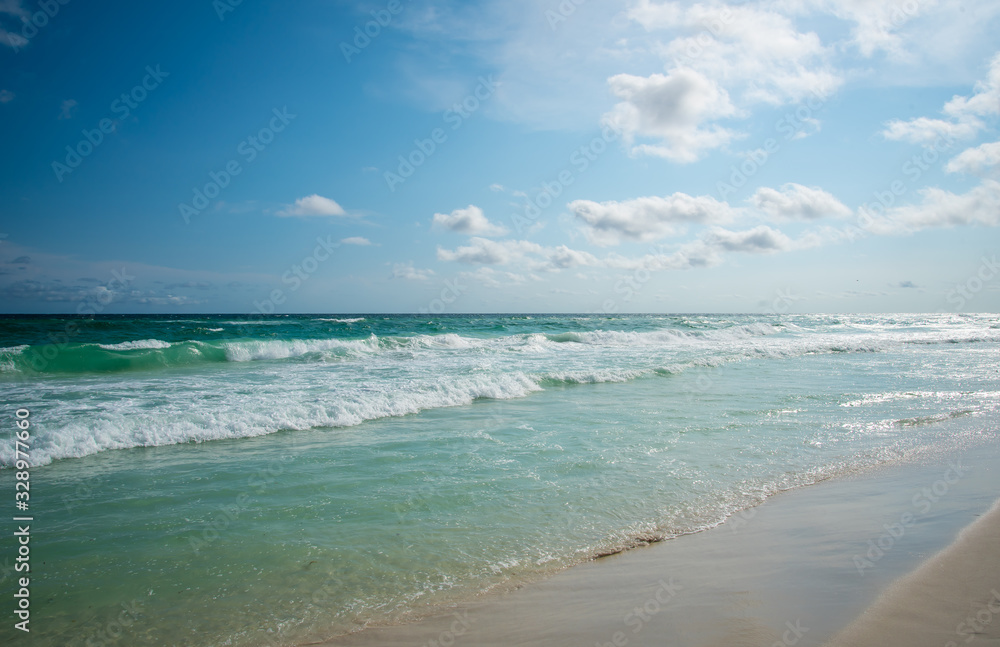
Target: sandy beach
x,y
899,555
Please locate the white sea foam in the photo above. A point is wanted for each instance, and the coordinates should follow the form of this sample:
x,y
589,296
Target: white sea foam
x,y
141,344
122,424
343,382
266,349
7,355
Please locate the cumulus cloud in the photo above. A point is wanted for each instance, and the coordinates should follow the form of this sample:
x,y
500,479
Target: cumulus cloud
x,y
717,54
675,109
759,240
313,205
470,221
6,96
356,240
410,273
964,114
797,202
482,251
705,251
985,99
648,218
754,49
981,160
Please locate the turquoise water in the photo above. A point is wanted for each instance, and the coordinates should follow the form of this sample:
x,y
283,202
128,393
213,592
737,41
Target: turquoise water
x,y
217,480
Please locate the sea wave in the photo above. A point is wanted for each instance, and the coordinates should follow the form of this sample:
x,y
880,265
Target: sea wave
x,y
124,426
141,344
712,346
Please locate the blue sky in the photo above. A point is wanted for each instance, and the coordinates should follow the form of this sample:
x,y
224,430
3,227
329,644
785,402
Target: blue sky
x,y
527,156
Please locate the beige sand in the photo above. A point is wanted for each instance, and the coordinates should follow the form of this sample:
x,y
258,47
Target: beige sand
x,y
783,575
952,599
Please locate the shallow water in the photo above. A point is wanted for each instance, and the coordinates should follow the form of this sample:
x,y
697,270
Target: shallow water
x,y
240,482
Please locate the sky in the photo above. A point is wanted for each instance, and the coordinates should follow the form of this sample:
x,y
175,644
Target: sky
x,y
614,156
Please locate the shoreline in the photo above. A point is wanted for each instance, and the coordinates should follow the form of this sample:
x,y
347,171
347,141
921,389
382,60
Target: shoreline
x,y
801,567
952,598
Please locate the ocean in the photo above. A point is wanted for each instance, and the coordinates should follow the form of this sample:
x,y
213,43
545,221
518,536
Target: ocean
x,y
228,480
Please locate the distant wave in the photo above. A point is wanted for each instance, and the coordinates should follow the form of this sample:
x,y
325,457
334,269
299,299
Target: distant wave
x,y
137,345
714,346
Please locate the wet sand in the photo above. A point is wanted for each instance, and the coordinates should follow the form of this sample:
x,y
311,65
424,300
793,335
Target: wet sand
x,y
856,560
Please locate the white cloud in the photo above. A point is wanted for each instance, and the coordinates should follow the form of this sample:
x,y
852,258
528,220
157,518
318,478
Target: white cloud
x,y
964,113
482,251
759,240
985,99
877,25
407,271
926,131
356,240
940,208
14,9
492,278
715,52
705,251
470,221
980,160
674,109
313,205
648,218
6,96
755,49
797,202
